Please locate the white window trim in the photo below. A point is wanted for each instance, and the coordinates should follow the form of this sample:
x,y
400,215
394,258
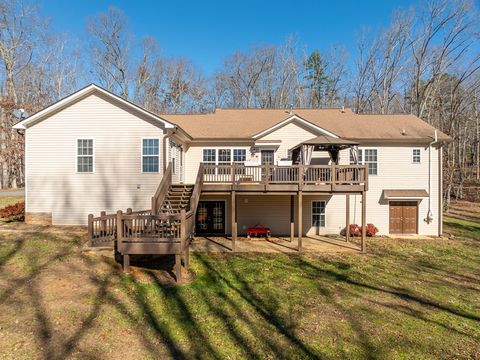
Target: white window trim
x,y
311,212
216,148
362,150
141,154
93,154
420,155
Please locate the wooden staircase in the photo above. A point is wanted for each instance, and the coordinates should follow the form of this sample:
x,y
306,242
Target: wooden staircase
x,y
166,228
177,198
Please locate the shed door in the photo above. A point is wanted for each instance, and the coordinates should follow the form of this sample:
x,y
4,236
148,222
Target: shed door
x,y
403,217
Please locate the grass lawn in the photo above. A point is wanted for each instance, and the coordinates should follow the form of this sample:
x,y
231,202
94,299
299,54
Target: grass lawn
x,y
405,299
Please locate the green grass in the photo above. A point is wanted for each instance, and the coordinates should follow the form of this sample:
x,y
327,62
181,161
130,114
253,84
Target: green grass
x,y
405,299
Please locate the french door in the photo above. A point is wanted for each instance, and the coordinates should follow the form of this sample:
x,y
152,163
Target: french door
x,y
210,217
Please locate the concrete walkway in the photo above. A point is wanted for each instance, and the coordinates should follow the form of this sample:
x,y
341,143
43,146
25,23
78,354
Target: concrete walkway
x,y
273,245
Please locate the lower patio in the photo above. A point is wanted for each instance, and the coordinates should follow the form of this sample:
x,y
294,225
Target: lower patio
x,y
275,244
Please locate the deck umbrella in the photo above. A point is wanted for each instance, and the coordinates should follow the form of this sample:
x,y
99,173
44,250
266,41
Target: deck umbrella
x,y
302,153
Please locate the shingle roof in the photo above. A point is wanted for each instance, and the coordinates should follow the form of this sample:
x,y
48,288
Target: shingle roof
x,y
245,123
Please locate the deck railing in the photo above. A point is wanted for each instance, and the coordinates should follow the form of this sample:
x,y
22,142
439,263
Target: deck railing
x,y
277,175
147,226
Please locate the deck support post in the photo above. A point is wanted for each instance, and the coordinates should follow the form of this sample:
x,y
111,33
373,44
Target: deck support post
x,y
90,230
234,219
187,258
364,221
178,268
126,263
292,218
347,217
300,220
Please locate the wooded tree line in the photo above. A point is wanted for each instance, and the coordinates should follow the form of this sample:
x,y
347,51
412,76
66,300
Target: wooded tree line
x,y
426,62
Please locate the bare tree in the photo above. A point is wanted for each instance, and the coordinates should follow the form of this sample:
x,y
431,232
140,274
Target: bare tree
x,y
110,46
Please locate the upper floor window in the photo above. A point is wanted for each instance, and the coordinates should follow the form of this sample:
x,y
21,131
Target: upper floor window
x,y
416,156
85,155
239,156
150,155
367,157
209,156
224,156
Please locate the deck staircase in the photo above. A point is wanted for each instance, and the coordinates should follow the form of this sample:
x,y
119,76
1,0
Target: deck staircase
x,y
177,198
166,228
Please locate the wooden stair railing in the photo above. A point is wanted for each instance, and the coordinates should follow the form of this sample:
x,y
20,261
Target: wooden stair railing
x,y
162,190
194,199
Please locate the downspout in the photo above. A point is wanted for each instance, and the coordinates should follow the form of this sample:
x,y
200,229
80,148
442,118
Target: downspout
x,y
429,217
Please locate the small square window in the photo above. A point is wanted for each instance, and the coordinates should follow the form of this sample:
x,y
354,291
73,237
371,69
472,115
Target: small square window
x,y
416,156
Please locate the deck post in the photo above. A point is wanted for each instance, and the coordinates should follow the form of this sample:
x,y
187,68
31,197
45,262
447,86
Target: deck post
x,y
103,223
347,217
126,263
300,220
187,257
119,232
234,219
364,221
178,267
90,230
292,218
154,206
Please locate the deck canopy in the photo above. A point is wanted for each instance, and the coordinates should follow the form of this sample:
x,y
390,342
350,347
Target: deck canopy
x,y
302,153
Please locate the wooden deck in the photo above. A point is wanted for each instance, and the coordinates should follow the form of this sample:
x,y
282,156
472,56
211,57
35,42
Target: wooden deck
x,y
272,178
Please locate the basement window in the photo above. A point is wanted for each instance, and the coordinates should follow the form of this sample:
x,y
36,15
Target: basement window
x,y
150,155
85,155
318,214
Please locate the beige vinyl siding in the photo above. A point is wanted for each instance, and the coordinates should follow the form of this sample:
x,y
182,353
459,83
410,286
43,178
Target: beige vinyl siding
x,y
290,135
54,186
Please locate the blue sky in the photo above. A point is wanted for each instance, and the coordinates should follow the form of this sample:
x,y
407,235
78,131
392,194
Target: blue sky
x,y
208,31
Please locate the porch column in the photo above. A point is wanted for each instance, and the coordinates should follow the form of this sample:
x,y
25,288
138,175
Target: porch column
x,y
300,220
292,219
364,221
234,220
347,217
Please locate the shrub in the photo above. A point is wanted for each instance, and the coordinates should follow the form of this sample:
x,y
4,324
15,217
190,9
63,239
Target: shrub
x,y
371,230
14,212
356,230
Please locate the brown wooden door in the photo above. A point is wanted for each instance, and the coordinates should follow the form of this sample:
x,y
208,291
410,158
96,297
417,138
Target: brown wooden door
x,y
403,217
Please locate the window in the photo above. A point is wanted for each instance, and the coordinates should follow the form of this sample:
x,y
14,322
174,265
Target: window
x,y
318,213
371,159
224,158
239,156
209,158
85,155
367,157
416,156
150,155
